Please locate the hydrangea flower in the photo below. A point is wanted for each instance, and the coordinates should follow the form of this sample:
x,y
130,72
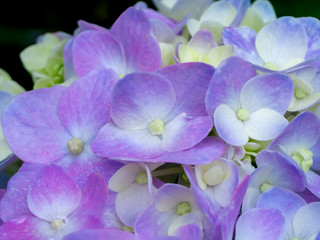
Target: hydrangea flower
x,y
244,105
153,114
300,142
291,45
62,124
58,207
129,46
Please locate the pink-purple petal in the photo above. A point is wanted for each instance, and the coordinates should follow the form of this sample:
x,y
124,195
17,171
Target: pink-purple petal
x,y
141,49
262,224
84,116
205,152
190,82
114,142
40,138
53,194
101,234
94,50
184,132
140,98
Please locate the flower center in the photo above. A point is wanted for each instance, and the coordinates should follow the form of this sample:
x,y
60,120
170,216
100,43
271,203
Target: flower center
x,y
304,158
142,178
243,114
299,93
75,146
183,208
264,187
57,224
128,229
156,127
272,66
214,175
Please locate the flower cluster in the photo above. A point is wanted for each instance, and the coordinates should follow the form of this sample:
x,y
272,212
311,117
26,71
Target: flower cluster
x,y
199,121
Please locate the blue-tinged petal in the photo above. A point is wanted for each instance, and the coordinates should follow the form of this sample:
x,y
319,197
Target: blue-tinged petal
x,y
243,40
284,172
141,98
273,91
262,224
302,132
189,232
68,68
94,50
241,12
312,28
265,9
286,201
190,82
141,48
282,42
227,82
202,42
306,222
229,127
313,183
265,124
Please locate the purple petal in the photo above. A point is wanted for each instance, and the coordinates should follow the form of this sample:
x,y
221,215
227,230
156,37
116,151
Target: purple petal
x,y
94,50
141,49
93,198
243,41
308,196
141,98
26,228
68,68
40,138
262,224
229,127
313,183
312,28
302,132
14,202
114,142
288,42
85,26
53,194
101,234
184,132
241,12
84,116
283,172
206,151
190,82
286,201
189,232
206,202
273,91
225,224
81,171
225,88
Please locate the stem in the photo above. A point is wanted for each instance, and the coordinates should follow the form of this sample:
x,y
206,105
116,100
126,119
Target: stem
x,y
167,171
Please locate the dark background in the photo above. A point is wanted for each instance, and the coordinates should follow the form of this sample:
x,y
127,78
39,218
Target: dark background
x,y
22,21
